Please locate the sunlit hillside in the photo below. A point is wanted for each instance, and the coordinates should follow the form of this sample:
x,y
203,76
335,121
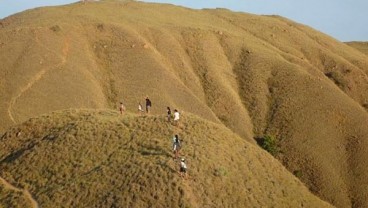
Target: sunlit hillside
x,y
361,46
102,159
255,75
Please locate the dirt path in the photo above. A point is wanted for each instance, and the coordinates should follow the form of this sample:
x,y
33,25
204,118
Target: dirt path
x,y
25,192
39,75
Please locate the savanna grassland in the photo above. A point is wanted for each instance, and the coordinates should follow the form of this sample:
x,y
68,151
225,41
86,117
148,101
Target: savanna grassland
x,y
237,79
84,158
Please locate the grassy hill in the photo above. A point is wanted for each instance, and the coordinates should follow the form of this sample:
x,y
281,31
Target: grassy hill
x,y
255,75
361,46
103,159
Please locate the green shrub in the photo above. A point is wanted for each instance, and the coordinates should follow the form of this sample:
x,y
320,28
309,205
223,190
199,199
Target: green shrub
x,y
268,143
298,173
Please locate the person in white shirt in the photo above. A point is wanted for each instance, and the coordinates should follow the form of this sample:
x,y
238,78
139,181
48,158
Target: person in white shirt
x,y
183,168
122,108
176,117
140,108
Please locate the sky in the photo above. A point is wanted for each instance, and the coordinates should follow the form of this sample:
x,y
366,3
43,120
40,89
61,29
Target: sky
x,y
342,19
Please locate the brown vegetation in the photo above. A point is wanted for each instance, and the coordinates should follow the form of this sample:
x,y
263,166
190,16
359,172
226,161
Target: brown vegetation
x,y
12,198
102,159
361,46
256,75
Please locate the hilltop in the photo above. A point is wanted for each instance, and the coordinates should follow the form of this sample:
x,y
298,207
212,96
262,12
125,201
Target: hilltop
x,y
255,75
102,159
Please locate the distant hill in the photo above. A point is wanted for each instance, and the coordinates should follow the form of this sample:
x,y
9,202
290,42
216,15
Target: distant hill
x,y
101,159
361,46
255,75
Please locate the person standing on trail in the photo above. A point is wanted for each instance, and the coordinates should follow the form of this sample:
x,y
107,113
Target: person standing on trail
x,y
183,168
168,114
176,146
122,108
176,117
148,104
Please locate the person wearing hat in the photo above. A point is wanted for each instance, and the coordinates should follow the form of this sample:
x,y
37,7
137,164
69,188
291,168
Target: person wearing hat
x,y
183,168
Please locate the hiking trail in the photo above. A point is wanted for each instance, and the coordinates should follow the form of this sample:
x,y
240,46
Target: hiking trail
x,y
25,192
40,74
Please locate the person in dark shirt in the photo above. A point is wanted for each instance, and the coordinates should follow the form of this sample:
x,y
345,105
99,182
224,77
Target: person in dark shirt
x,y
168,114
176,146
148,104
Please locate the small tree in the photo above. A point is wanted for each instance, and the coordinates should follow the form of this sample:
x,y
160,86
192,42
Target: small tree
x,y
268,143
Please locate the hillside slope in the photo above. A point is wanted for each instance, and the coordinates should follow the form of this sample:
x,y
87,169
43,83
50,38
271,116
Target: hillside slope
x,y
102,159
256,75
361,46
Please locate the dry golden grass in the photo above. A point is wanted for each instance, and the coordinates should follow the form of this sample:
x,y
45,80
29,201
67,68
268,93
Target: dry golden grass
x,y
84,158
361,46
10,198
256,75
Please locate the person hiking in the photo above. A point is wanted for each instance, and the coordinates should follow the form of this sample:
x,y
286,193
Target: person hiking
x,y
168,114
122,108
148,104
183,168
176,117
140,108
176,146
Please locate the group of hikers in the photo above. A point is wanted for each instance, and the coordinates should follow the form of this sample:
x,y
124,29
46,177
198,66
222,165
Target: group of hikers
x,y
176,114
176,149
176,141
140,108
